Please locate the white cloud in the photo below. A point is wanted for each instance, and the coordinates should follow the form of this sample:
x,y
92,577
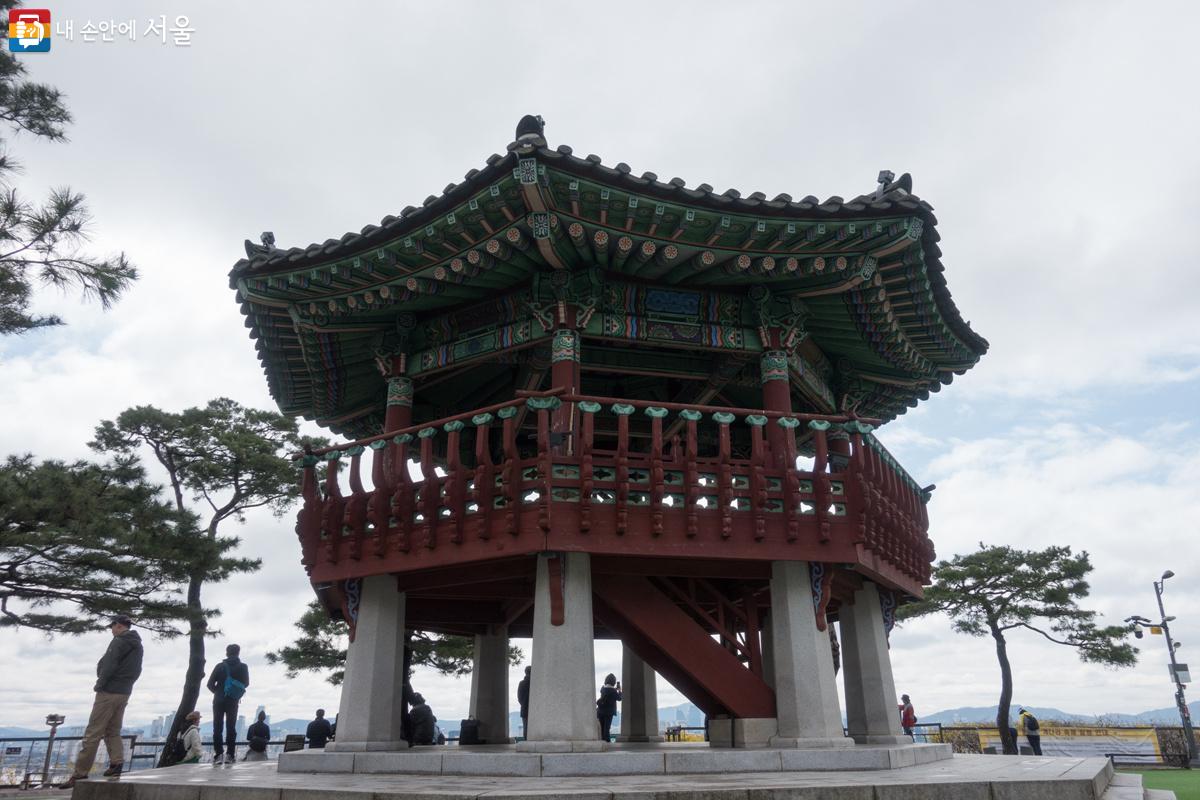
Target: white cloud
x,y
1053,143
1127,501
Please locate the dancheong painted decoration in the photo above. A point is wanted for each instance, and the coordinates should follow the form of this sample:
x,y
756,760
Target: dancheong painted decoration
x,y
554,357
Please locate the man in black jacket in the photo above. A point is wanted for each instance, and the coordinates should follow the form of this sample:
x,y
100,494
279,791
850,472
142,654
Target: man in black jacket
x,y
319,731
116,673
423,722
228,683
523,701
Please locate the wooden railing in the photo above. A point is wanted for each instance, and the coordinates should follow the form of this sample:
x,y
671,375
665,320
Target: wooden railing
x,y
586,458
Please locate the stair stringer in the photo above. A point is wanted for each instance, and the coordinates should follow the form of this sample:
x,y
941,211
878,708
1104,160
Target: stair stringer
x,y
678,648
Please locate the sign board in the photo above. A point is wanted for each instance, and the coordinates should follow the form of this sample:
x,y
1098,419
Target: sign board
x,y
1180,672
12,751
1156,630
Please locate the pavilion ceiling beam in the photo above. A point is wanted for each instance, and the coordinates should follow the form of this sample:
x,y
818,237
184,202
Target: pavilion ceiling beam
x,y
724,370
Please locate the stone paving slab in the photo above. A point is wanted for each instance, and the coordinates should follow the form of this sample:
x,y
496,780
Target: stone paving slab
x,y
621,759
963,776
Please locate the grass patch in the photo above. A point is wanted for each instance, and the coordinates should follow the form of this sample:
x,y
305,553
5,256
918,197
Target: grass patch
x,y
1185,783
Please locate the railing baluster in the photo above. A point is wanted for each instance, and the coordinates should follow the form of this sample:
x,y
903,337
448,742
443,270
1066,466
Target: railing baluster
x,y
308,521
758,481
547,450
657,473
354,518
456,480
510,478
485,480
431,492
791,481
622,410
725,472
856,480
334,505
691,477
587,409
378,506
822,488
401,506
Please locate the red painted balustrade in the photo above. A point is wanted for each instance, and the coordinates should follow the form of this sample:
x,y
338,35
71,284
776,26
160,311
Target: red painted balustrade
x,y
617,477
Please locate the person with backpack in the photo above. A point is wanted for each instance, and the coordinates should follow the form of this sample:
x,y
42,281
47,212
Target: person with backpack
x,y
606,705
189,748
258,736
228,683
116,672
319,731
908,717
1032,730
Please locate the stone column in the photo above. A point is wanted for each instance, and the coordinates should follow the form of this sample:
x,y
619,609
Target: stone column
x,y
372,692
871,715
806,702
768,652
562,697
639,708
489,685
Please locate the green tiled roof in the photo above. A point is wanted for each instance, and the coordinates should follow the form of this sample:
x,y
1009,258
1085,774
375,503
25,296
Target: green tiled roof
x,y
867,271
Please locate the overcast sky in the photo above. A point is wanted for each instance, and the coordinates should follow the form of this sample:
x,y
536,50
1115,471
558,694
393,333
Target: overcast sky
x,y
1057,143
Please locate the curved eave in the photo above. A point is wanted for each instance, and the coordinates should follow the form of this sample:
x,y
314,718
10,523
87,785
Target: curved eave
x,y
311,370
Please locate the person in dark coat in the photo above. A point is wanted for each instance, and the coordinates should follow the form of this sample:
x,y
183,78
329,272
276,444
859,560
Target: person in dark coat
x,y
258,735
423,721
116,672
606,706
319,731
523,701
228,683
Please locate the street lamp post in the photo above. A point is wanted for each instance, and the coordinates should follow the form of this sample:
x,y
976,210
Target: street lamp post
x,y
53,720
1180,700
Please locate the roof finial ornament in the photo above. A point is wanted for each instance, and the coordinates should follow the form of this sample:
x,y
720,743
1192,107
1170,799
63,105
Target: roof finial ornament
x,y
888,183
530,134
268,244
886,176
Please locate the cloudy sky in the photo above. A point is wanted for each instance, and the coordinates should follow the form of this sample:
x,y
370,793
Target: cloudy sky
x,y
1056,141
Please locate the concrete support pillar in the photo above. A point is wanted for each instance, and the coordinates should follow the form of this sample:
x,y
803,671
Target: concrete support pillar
x,y
768,652
489,685
806,702
871,716
372,692
639,708
562,697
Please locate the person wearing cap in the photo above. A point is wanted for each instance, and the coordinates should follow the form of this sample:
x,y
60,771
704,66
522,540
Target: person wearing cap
x,y
116,672
192,745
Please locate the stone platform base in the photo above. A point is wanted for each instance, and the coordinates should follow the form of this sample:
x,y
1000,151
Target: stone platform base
x,y
615,759
963,777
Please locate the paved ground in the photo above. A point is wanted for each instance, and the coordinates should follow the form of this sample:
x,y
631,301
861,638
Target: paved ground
x,y
969,777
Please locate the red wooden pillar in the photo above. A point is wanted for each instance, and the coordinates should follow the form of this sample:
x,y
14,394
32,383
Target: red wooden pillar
x,y
777,396
397,416
564,374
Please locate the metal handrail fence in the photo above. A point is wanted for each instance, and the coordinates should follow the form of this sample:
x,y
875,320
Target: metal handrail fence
x,y
21,758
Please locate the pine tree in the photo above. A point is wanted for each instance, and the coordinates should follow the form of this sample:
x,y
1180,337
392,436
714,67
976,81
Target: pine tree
x,y
1000,589
41,242
81,542
228,459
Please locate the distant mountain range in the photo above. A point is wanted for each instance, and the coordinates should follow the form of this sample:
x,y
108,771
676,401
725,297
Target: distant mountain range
x,y
968,714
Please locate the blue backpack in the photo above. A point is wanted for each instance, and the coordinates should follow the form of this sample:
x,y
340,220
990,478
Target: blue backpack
x,y
233,688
